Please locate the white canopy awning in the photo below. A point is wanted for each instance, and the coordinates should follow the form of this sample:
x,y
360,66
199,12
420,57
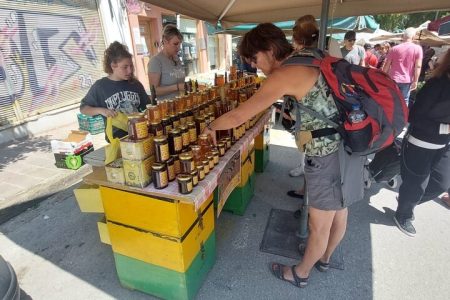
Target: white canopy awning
x,y
234,12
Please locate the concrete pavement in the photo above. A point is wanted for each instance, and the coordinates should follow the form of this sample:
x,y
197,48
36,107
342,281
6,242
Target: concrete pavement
x,y
56,252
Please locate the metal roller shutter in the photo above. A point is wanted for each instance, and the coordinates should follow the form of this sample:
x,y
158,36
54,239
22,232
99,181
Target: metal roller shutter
x,y
51,52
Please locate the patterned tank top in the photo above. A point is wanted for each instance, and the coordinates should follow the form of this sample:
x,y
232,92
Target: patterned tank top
x,y
320,100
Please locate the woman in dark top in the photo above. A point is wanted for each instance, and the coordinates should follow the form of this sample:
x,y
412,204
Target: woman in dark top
x,y
425,158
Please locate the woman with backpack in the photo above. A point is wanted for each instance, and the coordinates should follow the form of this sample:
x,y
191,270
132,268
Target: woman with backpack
x,y
266,48
425,168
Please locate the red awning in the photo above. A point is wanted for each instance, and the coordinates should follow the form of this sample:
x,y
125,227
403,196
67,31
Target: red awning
x,y
434,25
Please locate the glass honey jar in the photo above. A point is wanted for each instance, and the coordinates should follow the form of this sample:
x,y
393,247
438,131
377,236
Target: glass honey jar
x,y
192,132
137,126
156,129
215,153
170,169
185,136
163,106
175,119
210,159
153,114
200,172
221,147
185,184
194,175
176,164
206,166
175,141
200,124
162,153
159,175
167,125
187,163
204,143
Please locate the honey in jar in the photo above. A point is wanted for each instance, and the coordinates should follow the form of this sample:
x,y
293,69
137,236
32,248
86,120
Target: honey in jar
x,y
204,143
187,163
185,185
162,153
156,129
153,114
215,153
137,126
192,132
159,175
175,119
197,154
176,164
163,106
210,159
194,175
167,125
175,141
185,136
170,169
206,166
201,172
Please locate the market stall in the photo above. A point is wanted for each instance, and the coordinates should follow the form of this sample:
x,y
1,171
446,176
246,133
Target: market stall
x,y
162,233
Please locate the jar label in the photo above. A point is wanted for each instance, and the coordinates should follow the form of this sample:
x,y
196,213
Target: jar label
x,y
216,159
177,167
141,130
176,124
195,180
171,172
201,174
202,126
177,143
192,135
163,178
186,138
159,133
189,186
164,152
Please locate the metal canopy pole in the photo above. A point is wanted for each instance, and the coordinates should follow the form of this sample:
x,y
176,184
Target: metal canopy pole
x,y
323,24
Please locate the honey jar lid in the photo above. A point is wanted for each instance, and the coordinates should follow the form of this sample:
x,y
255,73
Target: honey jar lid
x,y
174,156
184,177
166,119
159,139
203,136
190,123
151,106
200,118
185,156
182,127
194,173
200,168
175,131
135,115
172,116
158,166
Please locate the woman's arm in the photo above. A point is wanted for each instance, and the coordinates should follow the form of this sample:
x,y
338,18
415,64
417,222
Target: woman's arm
x,y
288,80
93,111
155,80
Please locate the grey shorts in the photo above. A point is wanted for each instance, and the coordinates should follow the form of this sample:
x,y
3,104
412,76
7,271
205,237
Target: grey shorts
x,y
323,182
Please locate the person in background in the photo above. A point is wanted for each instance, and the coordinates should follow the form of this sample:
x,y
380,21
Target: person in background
x,y
404,62
427,63
385,48
425,158
266,47
377,50
120,91
165,71
352,53
371,59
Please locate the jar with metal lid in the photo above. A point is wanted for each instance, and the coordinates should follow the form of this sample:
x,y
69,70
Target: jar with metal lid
x,y
182,116
170,169
159,175
215,153
163,106
210,159
197,154
185,185
156,129
194,175
175,141
206,166
200,124
178,105
137,126
201,172
222,148
153,114
175,119
228,142
211,117
189,116
162,153
192,132
170,107
187,163
176,164
167,125
185,136
204,143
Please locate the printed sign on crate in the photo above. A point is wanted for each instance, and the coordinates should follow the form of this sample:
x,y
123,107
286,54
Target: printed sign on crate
x,y
228,180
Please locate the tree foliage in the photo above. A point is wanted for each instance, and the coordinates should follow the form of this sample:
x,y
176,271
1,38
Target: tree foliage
x,y
398,22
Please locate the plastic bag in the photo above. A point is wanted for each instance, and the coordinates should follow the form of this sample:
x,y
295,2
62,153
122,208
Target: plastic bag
x,y
112,151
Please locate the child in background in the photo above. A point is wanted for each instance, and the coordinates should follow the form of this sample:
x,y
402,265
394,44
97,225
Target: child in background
x,y
120,91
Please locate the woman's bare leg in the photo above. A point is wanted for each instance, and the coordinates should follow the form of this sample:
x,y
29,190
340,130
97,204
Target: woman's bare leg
x,y
337,232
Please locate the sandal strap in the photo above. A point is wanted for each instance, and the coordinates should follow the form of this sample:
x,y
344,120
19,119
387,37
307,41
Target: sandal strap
x,y
298,280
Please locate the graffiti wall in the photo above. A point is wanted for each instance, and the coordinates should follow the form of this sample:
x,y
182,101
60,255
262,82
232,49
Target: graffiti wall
x,y
50,54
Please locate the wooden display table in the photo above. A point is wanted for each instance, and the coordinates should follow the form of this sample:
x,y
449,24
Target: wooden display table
x,y
163,242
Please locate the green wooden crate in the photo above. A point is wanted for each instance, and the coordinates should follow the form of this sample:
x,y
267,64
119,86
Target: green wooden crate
x,y
261,159
239,199
165,283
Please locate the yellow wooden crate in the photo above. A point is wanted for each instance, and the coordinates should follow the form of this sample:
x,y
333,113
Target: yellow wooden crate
x,y
165,251
103,231
247,168
89,198
250,147
165,216
262,139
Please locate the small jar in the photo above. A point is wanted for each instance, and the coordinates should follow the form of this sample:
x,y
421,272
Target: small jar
x,y
200,124
170,107
156,129
210,158
215,154
194,175
211,117
187,163
175,141
185,185
163,105
153,114
206,166
159,175
176,164
170,169
137,126
185,136
228,143
175,119
221,147
192,132
200,172
197,154
162,153
189,116
167,125
204,143
182,116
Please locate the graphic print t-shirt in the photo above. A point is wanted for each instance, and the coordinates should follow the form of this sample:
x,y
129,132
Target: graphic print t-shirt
x,y
122,96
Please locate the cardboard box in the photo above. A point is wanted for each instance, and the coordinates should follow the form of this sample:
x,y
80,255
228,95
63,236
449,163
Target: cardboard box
x,y
69,152
114,172
137,149
138,172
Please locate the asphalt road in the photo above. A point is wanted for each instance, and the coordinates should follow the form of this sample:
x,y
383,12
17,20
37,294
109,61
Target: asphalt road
x,y
57,254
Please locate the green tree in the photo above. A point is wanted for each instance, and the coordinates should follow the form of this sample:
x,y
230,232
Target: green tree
x,y
398,22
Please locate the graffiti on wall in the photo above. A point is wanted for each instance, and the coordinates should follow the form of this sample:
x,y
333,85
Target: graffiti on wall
x,y
42,53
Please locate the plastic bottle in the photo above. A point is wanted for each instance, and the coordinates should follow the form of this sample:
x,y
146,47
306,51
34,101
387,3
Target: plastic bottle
x,y
356,115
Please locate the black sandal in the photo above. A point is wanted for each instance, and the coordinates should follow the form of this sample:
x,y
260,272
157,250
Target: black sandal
x,y
277,271
321,266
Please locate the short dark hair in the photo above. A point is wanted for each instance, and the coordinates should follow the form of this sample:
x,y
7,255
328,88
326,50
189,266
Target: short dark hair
x,y
367,46
265,37
350,35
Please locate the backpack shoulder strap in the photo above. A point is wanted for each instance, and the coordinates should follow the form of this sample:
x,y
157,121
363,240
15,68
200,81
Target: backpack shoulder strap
x,y
312,58
317,115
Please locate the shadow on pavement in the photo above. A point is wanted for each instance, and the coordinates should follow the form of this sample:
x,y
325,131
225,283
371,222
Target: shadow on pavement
x,y
17,150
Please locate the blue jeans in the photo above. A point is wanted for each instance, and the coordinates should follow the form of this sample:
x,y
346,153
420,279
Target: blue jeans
x,y
405,89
